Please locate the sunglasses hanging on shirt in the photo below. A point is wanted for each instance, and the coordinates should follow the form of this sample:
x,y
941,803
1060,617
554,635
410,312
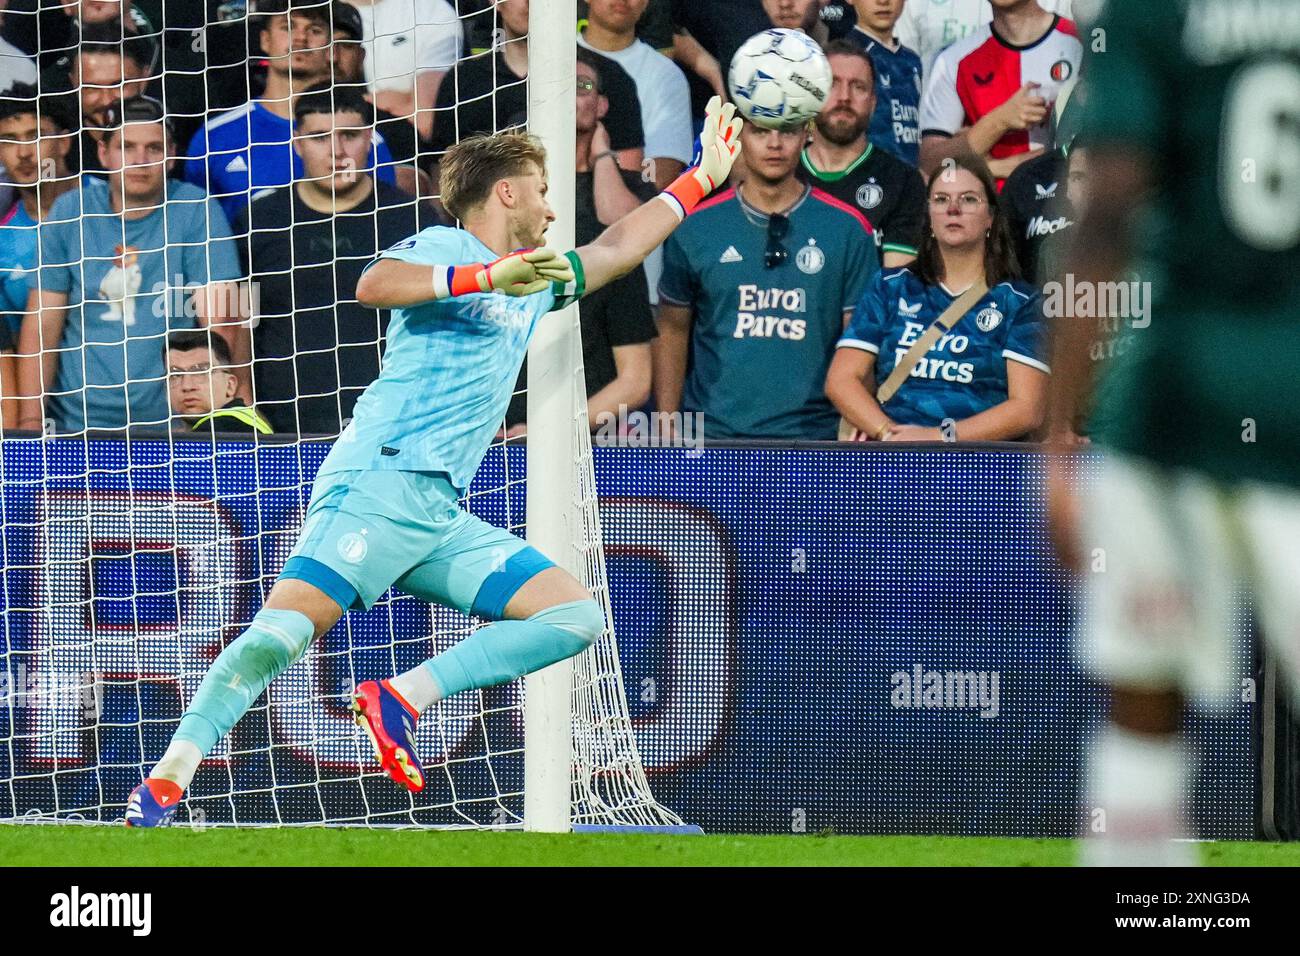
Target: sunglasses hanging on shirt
x,y
778,227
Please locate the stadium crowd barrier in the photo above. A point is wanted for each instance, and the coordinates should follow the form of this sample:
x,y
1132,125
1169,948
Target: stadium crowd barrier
x,y
864,639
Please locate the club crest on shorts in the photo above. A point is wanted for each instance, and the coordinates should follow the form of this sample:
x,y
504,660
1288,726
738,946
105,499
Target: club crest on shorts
x,y
870,195
988,319
810,259
353,547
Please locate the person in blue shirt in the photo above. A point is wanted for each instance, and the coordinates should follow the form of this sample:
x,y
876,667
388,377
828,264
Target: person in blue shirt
x,y
384,509
248,149
122,262
983,380
756,289
36,138
896,124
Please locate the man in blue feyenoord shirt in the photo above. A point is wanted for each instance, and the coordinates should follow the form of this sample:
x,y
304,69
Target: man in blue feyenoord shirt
x,y
384,510
896,124
756,290
247,149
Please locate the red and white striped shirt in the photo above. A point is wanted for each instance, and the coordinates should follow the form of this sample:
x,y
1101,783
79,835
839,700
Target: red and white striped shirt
x,y
980,72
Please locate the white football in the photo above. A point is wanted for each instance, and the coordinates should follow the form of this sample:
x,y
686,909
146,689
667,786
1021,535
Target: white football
x,y
779,79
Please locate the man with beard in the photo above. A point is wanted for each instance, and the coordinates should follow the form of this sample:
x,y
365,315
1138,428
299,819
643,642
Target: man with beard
x,y
840,160
104,71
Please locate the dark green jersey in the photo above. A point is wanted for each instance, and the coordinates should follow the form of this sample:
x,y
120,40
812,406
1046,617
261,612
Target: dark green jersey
x,y
1208,92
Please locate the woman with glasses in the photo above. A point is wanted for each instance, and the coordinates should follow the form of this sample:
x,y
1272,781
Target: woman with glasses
x,y
984,378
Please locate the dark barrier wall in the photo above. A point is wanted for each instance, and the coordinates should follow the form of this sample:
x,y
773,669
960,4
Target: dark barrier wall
x,y
870,640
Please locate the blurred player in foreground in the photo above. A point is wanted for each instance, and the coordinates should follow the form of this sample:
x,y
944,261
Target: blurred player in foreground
x,y
1194,115
384,508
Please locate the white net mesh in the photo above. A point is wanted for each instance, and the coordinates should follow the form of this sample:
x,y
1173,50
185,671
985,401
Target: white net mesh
x,y
133,546
609,781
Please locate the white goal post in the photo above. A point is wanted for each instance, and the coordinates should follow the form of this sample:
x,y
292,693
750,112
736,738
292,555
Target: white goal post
x,y
556,409
581,764
134,557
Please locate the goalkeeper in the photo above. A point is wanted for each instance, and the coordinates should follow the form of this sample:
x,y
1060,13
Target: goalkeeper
x,y
384,509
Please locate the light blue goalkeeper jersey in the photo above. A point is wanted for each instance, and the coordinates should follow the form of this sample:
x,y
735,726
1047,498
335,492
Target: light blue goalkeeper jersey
x,y
449,370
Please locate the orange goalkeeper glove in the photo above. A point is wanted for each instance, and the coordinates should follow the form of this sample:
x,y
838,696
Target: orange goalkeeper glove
x,y
719,147
520,273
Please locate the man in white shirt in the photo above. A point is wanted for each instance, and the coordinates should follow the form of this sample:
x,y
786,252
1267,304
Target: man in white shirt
x,y
993,92
661,87
927,26
410,45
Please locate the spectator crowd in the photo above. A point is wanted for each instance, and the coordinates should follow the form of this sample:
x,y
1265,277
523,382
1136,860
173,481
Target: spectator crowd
x,y
189,193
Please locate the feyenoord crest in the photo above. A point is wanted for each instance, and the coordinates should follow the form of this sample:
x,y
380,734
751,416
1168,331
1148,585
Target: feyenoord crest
x,y
810,259
1062,70
988,319
352,548
869,195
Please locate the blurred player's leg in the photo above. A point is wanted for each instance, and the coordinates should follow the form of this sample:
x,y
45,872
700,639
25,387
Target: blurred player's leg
x,y
1270,517
1137,774
1157,620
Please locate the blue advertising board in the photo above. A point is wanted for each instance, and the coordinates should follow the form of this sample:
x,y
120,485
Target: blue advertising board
x,y
864,640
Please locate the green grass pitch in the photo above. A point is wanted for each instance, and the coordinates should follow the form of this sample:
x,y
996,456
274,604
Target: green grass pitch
x,y
26,845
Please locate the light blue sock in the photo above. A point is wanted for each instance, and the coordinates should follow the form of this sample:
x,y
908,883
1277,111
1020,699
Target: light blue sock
x,y
241,672
505,650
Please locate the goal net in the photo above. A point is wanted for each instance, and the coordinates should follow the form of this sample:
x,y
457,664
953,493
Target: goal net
x,y
135,546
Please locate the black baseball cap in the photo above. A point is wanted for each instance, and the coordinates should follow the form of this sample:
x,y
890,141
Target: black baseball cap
x,y
348,19
318,10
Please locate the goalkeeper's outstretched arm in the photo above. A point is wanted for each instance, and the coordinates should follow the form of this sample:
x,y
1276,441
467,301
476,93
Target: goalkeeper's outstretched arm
x,y
394,284
625,244
391,283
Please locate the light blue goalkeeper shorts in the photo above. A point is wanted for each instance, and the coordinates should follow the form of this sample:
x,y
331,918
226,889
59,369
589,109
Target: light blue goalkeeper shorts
x,y
367,531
